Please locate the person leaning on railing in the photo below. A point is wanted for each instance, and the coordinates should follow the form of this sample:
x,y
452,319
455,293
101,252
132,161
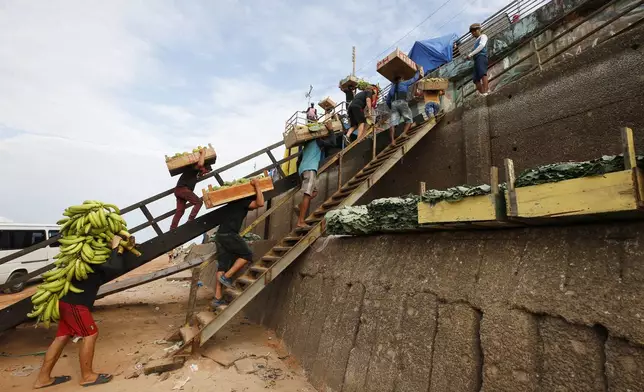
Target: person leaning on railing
x,y
479,55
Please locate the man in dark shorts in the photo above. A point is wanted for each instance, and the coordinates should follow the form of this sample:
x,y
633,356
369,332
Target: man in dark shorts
x,y
479,56
232,251
361,102
184,191
76,322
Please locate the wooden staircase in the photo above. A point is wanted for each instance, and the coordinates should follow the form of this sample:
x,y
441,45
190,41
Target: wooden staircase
x,y
204,324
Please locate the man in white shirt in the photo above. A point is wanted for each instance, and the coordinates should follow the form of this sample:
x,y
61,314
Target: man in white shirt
x,y
479,55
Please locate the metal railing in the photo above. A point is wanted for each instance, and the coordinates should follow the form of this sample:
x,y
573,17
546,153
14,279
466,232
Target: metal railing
x,y
575,41
496,23
152,221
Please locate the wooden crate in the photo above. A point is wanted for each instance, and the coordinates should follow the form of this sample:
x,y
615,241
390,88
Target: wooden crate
x,y
179,164
618,192
397,64
433,84
216,197
327,104
484,208
301,134
349,81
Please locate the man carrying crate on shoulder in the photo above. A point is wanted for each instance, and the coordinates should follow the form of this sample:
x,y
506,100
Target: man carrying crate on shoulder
x,y
233,253
307,166
184,191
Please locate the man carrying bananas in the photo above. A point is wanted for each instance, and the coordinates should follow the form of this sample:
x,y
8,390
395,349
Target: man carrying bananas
x,y
184,191
76,321
233,252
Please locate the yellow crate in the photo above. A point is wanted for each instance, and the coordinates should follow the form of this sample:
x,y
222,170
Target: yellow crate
x,y
483,208
620,191
215,197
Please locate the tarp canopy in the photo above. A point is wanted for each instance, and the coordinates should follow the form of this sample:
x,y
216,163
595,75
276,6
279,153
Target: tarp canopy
x,y
434,52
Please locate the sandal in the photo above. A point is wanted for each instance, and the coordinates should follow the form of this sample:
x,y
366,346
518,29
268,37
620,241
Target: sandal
x,y
57,380
101,379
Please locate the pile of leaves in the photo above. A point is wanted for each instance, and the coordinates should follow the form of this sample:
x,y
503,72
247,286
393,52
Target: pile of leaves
x,y
456,193
381,215
556,172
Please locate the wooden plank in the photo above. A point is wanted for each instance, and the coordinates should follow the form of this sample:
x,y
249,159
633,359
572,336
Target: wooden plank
x,y
628,148
213,198
113,288
163,365
192,296
511,199
612,192
176,164
312,235
475,208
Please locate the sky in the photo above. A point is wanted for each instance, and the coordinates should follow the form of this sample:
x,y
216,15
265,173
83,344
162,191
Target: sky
x,y
94,93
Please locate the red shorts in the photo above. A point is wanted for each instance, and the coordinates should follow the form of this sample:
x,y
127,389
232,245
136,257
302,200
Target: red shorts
x,y
75,320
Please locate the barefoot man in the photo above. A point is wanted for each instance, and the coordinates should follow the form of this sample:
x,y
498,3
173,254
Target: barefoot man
x,y
76,322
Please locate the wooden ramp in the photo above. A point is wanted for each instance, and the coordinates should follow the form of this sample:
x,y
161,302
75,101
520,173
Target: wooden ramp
x,y
206,323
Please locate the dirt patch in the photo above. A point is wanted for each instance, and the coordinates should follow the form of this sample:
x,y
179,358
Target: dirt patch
x,y
132,327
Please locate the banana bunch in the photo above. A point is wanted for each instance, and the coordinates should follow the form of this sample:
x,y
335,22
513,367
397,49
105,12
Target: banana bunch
x,y
86,232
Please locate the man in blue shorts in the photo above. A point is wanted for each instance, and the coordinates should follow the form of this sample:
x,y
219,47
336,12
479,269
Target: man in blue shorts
x,y
479,55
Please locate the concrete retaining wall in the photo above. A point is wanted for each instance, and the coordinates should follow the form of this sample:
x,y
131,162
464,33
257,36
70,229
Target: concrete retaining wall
x,y
540,309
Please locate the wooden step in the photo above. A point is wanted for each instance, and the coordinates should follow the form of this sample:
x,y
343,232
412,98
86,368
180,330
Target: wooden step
x,y
330,204
320,213
204,318
258,269
270,259
189,332
245,280
291,239
341,195
281,249
302,229
233,292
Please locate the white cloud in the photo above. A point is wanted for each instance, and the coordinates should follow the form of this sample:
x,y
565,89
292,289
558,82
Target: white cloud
x,y
93,94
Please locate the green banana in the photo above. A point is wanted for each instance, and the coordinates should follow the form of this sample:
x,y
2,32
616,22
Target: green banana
x,y
74,289
102,217
41,298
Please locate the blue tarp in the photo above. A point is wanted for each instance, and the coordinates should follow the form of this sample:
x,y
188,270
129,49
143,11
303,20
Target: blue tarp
x,y
434,52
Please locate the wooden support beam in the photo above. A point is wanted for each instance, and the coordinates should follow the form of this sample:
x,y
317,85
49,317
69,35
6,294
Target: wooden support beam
x,y
628,149
150,218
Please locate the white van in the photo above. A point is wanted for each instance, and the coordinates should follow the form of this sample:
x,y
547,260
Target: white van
x,y
17,236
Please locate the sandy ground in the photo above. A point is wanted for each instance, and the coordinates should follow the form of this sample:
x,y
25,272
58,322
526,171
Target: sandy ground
x,y
132,327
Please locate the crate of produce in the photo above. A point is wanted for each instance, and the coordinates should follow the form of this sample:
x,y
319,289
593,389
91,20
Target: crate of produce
x,y
327,104
300,133
349,81
178,163
611,185
217,195
483,203
433,84
397,64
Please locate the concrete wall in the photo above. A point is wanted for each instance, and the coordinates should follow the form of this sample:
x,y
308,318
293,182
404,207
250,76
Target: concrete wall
x,y
540,309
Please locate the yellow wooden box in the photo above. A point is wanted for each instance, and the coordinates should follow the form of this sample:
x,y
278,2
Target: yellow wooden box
x,y
433,84
483,208
615,192
215,197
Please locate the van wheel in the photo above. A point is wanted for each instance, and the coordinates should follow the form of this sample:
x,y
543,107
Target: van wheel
x,y
18,287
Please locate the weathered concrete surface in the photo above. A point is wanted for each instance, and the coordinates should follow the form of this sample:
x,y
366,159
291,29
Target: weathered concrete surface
x,y
536,309
457,359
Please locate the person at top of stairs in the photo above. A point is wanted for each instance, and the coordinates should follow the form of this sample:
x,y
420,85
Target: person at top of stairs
x,y
311,113
397,103
76,322
479,55
307,166
360,108
184,191
232,251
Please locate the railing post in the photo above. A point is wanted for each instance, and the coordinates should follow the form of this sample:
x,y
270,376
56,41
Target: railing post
x,y
536,53
150,218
